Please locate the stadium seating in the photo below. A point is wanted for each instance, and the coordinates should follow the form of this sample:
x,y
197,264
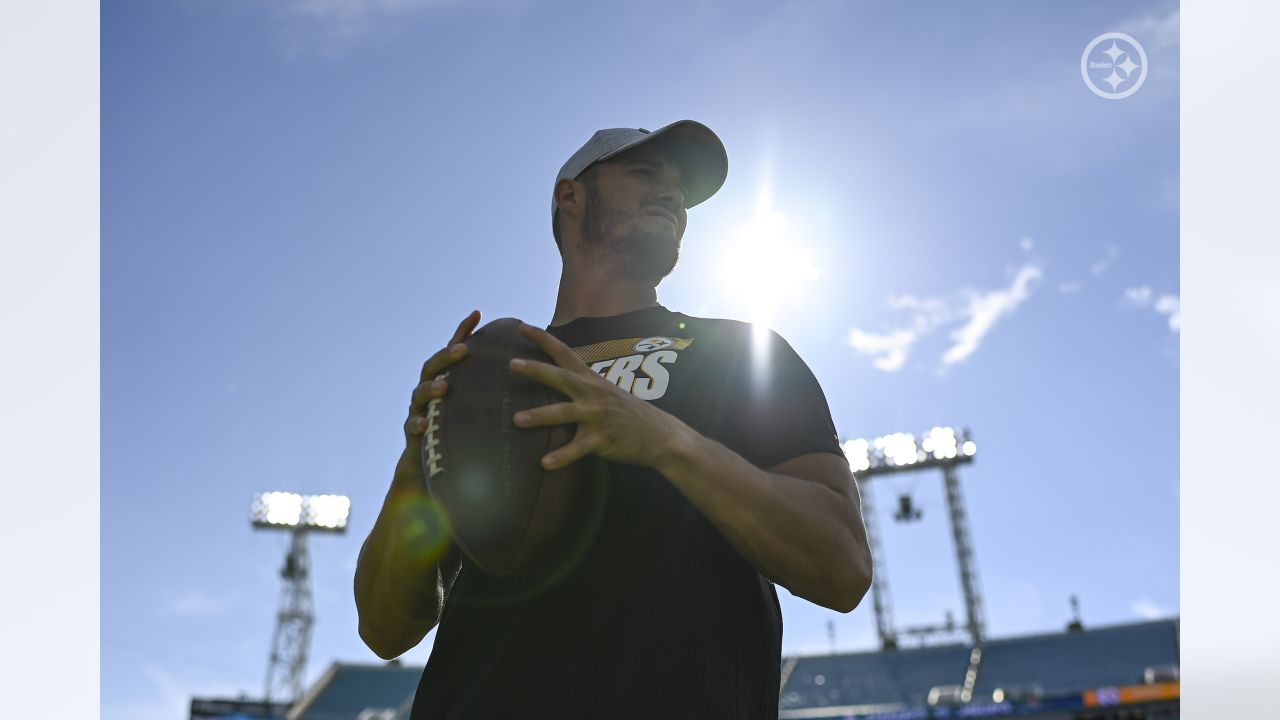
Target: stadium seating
x,y
1069,662
1057,664
358,691
1062,662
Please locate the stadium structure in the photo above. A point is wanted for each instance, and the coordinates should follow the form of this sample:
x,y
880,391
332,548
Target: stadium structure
x,y
1117,672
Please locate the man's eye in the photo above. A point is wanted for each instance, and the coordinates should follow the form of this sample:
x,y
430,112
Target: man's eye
x,y
644,170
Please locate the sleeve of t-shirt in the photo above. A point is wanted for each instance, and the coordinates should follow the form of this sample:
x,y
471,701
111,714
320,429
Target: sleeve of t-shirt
x,y
782,412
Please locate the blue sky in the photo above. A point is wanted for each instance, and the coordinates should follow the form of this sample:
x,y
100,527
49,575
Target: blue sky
x,y
302,198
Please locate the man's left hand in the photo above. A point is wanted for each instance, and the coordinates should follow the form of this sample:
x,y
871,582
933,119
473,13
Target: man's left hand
x,y
612,422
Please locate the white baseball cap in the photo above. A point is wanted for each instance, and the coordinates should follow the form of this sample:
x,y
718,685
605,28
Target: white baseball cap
x,y
694,148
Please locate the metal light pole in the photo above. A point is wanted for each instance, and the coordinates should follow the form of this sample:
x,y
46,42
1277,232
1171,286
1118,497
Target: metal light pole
x,y
964,556
880,601
940,447
300,515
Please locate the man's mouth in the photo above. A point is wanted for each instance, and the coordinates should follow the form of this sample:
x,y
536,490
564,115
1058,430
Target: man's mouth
x,y
665,214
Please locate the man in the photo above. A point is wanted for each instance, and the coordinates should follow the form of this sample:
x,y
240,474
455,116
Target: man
x,y
715,472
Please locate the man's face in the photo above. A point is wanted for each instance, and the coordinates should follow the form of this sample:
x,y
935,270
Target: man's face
x,y
635,216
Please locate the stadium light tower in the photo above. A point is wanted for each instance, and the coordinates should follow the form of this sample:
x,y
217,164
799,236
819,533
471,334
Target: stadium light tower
x,y
300,515
940,447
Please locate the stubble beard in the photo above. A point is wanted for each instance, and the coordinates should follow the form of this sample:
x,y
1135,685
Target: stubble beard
x,y
640,254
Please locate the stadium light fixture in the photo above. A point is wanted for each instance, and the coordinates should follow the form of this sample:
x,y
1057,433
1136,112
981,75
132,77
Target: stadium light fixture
x,y
938,447
291,511
859,454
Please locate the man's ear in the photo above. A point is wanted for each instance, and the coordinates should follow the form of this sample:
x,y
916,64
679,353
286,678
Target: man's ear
x,y
571,197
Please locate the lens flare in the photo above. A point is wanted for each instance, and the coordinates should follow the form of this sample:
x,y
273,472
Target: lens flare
x,y
565,553
424,528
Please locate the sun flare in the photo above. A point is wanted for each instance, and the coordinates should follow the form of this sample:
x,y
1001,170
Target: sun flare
x,y
766,265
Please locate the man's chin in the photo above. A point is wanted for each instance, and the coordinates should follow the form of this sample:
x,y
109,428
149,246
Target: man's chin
x,y
654,270
643,255
652,266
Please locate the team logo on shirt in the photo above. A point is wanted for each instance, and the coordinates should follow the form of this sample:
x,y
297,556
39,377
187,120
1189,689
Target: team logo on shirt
x,y
637,365
657,342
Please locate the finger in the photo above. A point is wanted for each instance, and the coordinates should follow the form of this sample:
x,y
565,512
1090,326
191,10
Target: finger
x,y
571,452
552,346
420,413
452,352
467,325
441,360
550,375
426,392
557,414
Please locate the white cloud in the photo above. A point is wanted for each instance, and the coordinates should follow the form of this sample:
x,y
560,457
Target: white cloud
x,y
1165,304
928,311
1026,244
986,309
978,311
1170,305
889,350
1140,296
1102,265
1069,288
1147,609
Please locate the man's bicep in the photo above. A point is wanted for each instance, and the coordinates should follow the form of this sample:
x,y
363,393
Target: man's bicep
x,y
783,412
824,468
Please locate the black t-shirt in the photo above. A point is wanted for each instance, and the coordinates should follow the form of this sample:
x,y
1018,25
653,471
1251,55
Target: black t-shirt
x,y
642,609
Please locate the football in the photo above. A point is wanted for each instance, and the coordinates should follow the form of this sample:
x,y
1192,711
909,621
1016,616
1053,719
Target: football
x,y
503,507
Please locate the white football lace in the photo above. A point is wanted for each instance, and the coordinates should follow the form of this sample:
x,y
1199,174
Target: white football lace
x,y
433,412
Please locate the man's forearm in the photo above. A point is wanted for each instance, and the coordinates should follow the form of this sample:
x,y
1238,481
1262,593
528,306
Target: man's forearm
x,y
385,576
398,583
796,532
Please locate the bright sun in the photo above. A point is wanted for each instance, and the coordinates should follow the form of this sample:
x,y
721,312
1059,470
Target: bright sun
x,y
764,266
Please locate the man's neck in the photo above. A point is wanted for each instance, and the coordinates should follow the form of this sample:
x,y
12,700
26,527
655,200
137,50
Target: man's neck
x,y
585,294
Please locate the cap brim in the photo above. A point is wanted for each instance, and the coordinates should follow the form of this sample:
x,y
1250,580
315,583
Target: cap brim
x,y
703,162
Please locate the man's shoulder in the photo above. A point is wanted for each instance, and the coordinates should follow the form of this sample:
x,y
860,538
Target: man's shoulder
x,y
715,328
734,335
